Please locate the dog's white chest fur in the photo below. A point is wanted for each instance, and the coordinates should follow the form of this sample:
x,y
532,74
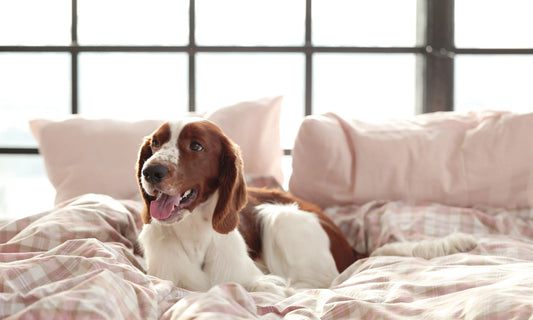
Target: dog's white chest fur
x,y
175,251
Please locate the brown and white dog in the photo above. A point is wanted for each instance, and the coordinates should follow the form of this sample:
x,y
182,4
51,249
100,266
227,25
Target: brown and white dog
x,y
203,226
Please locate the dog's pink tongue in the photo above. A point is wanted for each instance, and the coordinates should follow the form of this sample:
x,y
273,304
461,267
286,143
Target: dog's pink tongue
x,y
163,206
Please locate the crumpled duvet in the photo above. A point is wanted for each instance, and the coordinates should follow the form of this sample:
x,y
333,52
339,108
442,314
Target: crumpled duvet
x,y
81,261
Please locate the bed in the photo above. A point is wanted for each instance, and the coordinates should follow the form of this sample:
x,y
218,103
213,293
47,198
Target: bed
x,y
81,260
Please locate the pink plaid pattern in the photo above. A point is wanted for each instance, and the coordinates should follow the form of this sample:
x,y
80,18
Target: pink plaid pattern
x,y
77,261
374,224
80,261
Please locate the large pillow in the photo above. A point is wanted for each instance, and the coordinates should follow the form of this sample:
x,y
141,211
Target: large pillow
x,y
99,155
468,159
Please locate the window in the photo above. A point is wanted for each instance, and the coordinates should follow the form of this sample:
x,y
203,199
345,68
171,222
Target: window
x,y
132,22
248,76
22,22
360,58
132,82
376,23
365,86
493,23
250,23
494,55
494,81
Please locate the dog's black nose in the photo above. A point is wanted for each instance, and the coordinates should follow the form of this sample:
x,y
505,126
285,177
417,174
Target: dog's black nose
x,y
154,173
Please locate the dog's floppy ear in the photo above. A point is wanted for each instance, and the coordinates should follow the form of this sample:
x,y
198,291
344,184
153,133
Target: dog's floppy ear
x,y
232,188
144,153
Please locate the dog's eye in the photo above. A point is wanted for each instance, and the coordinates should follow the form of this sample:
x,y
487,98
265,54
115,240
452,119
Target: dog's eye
x,y
155,143
196,147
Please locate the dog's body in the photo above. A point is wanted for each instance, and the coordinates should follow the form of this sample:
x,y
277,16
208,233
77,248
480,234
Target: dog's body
x,y
203,226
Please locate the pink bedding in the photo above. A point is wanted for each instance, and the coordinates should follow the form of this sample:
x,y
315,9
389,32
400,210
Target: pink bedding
x,y
453,158
80,261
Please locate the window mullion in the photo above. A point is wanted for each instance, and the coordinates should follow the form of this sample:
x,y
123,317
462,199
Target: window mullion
x,y
192,56
437,83
74,58
308,60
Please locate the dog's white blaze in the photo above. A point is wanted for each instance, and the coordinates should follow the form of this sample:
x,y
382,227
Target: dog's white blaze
x,y
169,152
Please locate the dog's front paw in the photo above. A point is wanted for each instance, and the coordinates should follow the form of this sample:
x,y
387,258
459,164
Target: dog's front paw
x,y
272,284
460,242
451,244
429,248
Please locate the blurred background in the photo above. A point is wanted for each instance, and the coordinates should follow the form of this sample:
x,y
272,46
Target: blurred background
x,y
139,59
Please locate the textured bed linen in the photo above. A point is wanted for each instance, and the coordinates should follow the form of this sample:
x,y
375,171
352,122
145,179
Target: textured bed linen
x,y
80,261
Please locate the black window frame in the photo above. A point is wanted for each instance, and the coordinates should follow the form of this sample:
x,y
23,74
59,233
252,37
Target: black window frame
x,y
435,52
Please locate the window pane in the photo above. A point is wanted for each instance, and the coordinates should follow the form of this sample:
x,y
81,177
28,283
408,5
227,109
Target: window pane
x,y
493,23
35,22
225,79
364,23
248,23
133,85
500,82
133,22
364,86
24,187
31,85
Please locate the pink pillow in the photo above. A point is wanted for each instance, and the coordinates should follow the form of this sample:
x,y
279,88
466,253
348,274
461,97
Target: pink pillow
x,y
475,158
99,155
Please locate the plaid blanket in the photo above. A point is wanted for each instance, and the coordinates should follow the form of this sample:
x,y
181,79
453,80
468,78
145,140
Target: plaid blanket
x,y
81,261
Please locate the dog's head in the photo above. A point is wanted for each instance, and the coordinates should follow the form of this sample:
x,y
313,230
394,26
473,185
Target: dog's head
x,y
185,163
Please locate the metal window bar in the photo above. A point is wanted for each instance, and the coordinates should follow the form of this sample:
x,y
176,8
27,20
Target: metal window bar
x,y
191,49
437,80
74,58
